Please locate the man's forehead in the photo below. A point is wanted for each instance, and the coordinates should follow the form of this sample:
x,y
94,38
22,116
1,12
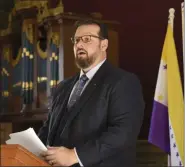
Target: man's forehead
x,y
87,29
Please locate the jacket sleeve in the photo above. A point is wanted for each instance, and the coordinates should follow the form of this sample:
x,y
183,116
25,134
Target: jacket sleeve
x,y
43,132
125,116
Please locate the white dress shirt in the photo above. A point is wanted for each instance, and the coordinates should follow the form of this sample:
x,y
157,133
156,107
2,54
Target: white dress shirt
x,y
90,75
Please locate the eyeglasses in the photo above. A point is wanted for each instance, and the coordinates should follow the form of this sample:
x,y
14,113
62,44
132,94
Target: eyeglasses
x,y
85,38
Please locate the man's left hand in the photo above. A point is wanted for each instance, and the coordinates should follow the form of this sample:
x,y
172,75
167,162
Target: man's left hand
x,y
60,156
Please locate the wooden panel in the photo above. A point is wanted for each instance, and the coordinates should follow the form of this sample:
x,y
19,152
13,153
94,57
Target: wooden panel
x,y
5,130
149,155
69,62
113,49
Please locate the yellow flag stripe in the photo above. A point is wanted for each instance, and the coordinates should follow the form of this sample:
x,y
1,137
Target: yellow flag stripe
x,y
175,95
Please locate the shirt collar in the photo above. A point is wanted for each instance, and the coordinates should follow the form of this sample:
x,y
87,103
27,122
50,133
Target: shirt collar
x,y
92,72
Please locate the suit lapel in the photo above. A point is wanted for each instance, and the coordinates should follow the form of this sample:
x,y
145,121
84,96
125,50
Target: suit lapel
x,y
91,87
62,105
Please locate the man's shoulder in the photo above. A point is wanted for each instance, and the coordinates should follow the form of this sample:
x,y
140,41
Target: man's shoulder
x,y
62,84
117,74
120,79
65,81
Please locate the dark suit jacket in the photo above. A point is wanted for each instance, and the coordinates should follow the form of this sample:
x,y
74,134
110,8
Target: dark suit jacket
x,y
104,124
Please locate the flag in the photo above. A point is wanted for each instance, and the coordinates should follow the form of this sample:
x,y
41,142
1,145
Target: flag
x,y
167,121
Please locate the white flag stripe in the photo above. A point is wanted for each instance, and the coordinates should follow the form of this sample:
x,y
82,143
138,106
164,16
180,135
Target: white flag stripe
x,y
175,157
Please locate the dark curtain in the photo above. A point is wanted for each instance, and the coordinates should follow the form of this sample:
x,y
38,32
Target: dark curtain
x,y
54,60
27,63
5,73
42,68
16,72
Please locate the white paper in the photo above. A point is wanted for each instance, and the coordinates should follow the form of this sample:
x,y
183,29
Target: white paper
x,y
29,140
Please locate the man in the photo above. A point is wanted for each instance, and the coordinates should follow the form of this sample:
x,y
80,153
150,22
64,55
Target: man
x,y
96,115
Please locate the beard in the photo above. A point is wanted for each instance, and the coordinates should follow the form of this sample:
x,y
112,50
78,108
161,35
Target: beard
x,y
84,61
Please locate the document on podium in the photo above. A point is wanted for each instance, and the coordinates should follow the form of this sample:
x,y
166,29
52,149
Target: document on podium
x,y
29,140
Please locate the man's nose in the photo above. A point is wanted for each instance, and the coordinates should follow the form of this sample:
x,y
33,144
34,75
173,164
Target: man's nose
x,y
79,44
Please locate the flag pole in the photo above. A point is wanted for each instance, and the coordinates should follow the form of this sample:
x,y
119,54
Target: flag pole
x,y
171,22
182,11
182,16
171,17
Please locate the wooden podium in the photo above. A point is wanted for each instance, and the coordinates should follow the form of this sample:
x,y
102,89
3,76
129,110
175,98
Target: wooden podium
x,y
16,155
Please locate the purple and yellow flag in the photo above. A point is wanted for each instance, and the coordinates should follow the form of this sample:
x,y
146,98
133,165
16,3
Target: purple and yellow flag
x,y
167,122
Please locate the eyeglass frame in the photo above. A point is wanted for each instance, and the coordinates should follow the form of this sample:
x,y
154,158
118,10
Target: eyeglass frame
x,y
81,38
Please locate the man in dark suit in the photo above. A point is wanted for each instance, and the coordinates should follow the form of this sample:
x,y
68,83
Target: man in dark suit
x,y
95,116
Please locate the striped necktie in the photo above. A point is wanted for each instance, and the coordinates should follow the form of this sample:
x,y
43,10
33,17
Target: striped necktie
x,y
78,90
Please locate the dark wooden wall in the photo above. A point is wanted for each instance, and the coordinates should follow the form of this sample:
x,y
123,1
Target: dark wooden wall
x,y
142,32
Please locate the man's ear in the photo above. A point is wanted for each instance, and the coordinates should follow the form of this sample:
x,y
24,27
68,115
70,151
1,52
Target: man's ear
x,y
104,45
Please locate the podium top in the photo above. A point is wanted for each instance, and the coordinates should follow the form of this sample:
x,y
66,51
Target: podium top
x,y
16,155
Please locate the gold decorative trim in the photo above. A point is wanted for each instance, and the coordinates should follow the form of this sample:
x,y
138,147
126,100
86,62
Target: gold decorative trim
x,y
4,71
41,79
41,53
7,31
27,85
53,57
20,5
53,83
56,58
28,29
18,84
55,38
41,5
44,12
6,53
58,10
5,94
16,61
31,56
27,54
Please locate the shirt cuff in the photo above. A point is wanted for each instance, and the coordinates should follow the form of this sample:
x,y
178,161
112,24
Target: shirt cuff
x,y
78,158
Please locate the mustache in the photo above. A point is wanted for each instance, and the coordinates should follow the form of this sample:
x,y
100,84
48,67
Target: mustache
x,y
81,50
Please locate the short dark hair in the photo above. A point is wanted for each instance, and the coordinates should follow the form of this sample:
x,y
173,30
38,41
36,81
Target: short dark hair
x,y
103,28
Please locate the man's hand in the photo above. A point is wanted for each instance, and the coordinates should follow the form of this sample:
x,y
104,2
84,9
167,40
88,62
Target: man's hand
x,y
60,156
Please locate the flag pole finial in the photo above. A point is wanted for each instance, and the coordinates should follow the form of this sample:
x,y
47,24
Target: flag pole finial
x,y
171,16
182,5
